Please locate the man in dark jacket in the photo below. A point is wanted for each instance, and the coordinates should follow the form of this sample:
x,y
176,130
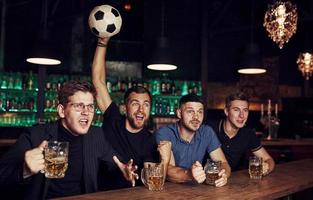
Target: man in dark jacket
x,y
87,149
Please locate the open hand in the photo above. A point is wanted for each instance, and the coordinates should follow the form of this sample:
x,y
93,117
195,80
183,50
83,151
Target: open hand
x,y
128,170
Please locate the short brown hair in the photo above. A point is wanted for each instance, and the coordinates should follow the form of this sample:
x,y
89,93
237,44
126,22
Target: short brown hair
x,y
138,90
236,96
190,98
69,88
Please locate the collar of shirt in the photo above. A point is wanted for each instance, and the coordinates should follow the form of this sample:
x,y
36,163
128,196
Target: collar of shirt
x,y
195,137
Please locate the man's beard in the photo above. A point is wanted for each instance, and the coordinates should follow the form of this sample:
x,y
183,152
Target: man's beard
x,y
190,127
133,124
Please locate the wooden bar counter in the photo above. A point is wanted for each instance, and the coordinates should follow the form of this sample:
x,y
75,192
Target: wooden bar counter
x,y
287,179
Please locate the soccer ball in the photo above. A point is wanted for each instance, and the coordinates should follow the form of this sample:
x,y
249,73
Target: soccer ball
x,y
105,21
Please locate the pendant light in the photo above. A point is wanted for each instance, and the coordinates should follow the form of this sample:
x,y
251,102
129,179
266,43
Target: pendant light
x,y
251,61
161,59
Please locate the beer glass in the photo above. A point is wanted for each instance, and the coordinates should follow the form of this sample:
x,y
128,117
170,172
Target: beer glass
x,y
255,167
152,176
56,159
212,169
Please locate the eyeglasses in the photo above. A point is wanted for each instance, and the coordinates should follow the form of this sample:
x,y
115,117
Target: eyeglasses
x,y
79,107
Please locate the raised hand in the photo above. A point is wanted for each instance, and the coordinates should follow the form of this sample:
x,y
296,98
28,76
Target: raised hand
x,y
128,170
34,159
104,41
164,149
197,172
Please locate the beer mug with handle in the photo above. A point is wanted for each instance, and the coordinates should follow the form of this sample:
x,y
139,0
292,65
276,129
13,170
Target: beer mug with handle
x,y
152,176
255,167
56,159
212,169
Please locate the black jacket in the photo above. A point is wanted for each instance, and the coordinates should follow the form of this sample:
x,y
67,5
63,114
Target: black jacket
x,y
96,150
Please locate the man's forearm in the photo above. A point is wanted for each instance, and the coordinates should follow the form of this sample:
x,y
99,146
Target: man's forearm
x,y
99,79
178,175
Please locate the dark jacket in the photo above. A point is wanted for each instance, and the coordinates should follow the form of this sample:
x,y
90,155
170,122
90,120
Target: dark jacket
x,y
95,150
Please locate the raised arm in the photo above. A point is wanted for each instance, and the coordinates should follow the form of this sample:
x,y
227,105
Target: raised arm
x,y
99,75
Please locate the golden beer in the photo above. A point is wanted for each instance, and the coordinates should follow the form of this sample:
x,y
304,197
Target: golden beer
x,y
255,171
152,176
55,167
56,159
211,177
155,183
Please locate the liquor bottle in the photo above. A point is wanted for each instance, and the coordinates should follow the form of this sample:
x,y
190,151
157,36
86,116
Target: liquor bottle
x,y
184,88
156,106
190,88
60,82
54,87
11,82
3,82
163,86
164,107
129,84
173,88
18,81
2,101
32,104
30,82
167,107
168,87
48,86
194,88
153,103
199,89
157,87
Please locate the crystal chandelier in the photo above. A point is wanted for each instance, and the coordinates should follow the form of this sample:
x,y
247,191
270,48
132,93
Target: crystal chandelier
x,y
305,64
280,21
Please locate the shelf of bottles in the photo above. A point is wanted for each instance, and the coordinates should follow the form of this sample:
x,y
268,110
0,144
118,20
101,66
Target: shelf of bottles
x,y
18,96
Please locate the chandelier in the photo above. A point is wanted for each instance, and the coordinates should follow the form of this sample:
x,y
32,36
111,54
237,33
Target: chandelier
x,y
280,21
305,64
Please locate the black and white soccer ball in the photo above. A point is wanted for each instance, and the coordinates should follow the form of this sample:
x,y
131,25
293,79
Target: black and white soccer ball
x,y
105,21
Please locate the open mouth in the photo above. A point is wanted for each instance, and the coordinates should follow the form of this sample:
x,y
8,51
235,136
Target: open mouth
x,y
83,122
139,117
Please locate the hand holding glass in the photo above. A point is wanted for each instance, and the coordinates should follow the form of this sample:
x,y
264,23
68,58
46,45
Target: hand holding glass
x,y
56,159
212,169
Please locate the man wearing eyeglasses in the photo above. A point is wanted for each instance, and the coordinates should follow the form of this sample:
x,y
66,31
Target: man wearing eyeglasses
x,y
88,150
127,134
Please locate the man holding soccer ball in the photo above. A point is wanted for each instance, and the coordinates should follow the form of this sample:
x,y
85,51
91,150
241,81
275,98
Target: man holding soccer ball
x,y
127,134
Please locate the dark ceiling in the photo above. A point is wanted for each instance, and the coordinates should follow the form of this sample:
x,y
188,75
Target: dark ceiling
x,y
229,27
